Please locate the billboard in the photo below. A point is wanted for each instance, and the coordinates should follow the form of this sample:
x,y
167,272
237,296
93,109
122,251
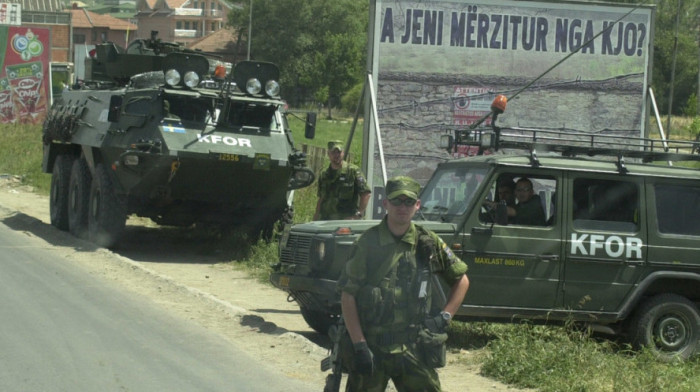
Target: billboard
x,y
437,65
24,85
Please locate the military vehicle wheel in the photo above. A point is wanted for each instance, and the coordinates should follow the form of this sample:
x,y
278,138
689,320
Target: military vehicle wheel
x,y
107,213
58,204
79,198
669,325
318,320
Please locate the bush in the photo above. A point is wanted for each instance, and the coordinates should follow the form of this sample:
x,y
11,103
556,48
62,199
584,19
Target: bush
x,y
351,98
691,107
694,127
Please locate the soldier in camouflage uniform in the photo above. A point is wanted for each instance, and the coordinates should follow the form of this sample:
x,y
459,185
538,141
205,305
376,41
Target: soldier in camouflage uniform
x,y
386,298
342,188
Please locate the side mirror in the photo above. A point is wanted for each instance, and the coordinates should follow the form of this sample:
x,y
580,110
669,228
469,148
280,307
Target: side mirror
x,y
310,129
301,178
502,213
115,107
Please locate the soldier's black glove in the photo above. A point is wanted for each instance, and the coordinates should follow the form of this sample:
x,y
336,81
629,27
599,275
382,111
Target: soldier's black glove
x,y
436,324
364,359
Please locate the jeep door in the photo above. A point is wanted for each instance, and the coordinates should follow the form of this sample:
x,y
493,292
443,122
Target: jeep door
x,y
513,266
605,240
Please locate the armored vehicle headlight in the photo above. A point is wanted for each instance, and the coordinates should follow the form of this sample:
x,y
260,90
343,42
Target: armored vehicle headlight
x,y
172,77
272,88
253,86
191,79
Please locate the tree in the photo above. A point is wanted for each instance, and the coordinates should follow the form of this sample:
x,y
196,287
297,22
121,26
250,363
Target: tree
x,y
686,69
319,45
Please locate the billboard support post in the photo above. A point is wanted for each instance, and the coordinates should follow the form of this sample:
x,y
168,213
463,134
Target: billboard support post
x,y
373,101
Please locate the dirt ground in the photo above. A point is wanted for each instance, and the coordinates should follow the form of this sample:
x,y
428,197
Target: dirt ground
x,y
191,276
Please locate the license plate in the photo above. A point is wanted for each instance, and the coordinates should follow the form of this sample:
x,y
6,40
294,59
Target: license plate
x,y
229,157
284,281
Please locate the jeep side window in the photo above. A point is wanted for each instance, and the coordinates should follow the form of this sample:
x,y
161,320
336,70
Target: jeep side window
x,y
605,205
678,209
532,196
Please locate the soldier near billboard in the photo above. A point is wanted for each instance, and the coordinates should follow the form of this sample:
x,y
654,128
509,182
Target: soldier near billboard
x,y
396,329
343,192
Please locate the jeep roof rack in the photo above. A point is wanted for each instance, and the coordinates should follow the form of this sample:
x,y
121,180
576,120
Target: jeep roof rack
x,y
570,144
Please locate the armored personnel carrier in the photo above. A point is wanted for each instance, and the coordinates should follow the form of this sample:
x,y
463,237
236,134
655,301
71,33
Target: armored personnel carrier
x,y
173,135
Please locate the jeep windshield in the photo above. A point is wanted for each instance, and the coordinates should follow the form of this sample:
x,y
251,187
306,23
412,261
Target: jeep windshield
x,y
449,192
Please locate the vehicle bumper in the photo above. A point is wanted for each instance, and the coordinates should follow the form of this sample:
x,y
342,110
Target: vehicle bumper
x,y
293,283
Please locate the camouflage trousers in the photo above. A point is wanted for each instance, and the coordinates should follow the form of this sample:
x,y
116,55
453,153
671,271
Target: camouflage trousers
x,y
405,370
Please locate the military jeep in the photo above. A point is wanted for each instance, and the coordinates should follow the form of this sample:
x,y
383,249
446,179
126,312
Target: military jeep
x,y
618,249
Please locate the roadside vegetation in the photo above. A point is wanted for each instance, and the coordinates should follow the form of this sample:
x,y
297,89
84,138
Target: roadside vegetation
x,y
544,358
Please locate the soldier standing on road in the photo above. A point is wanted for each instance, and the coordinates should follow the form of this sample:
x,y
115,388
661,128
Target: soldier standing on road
x,y
386,298
342,188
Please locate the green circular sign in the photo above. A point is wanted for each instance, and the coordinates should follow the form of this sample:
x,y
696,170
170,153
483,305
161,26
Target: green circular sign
x,y
35,48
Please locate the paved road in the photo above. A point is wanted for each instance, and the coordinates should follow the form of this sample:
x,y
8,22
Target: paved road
x,y
62,329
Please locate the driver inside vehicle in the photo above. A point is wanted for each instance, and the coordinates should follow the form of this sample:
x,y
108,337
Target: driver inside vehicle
x,y
505,192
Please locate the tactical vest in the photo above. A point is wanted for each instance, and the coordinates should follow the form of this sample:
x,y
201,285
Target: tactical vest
x,y
339,193
397,297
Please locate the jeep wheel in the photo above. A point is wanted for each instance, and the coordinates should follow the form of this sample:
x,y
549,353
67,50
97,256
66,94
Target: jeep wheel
x,y
669,325
58,204
79,198
107,214
318,320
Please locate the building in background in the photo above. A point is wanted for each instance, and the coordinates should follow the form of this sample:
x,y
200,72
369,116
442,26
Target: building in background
x,y
90,28
49,14
182,21
224,42
120,9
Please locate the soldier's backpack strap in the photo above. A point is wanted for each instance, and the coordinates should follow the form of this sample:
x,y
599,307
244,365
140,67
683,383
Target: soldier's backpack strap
x,y
426,252
384,268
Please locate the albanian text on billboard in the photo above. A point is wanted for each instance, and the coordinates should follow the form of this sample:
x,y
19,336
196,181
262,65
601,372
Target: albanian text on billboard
x,y
23,74
437,66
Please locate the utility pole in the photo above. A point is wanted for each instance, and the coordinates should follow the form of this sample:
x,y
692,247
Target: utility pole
x,y
673,73
250,27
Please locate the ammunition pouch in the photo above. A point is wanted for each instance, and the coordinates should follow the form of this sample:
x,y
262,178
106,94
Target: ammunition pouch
x,y
431,348
370,304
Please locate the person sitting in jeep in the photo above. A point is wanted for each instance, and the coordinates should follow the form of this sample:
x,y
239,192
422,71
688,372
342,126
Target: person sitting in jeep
x,y
505,191
528,210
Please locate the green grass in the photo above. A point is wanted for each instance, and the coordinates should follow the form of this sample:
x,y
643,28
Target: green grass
x,y
567,358
305,199
546,358
21,154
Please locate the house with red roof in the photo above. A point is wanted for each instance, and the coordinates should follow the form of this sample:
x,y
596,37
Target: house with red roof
x,y
91,28
182,21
